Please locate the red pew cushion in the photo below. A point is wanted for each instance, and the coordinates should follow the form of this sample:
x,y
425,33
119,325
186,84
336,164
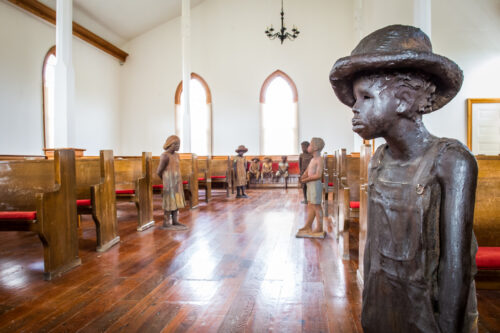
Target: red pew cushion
x,y
218,177
488,258
331,184
293,168
201,179
125,191
158,186
354,204
18,216
275,166
185,182
83,202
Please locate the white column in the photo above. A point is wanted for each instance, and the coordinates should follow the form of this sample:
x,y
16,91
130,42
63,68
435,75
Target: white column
x,y
186,74
64,82
422,15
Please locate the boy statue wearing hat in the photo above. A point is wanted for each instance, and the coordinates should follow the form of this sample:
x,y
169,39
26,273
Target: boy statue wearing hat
x,y
419,260
304,159
173,191
240,172
253,169
267,168
312,177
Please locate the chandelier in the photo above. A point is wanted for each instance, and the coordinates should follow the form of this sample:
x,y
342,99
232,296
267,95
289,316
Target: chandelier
x,y
282,34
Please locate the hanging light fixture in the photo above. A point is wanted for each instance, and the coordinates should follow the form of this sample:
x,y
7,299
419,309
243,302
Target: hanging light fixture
x,y
282,34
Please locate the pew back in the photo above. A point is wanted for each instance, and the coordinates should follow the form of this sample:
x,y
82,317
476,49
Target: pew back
x,y
487,208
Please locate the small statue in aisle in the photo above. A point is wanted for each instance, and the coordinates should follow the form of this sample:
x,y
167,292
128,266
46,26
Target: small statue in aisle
x,y
419,259
173,191
267,168
253,170
240,172
304,159
282,168
312,177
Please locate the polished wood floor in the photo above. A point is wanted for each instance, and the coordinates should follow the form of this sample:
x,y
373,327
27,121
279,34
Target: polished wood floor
x,y
239,268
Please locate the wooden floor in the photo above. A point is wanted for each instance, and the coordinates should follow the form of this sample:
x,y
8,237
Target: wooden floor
x,y
238,268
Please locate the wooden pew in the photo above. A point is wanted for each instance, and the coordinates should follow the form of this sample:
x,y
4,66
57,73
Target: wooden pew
x,y
39,196
349,166
205,176
189,172
22,157
95,194
133,181
365,156
220,169
487,222
330,183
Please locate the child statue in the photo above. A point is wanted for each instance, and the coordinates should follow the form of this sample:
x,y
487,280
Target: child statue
x,y
267,168
419,260
240,171
304,160
253,169
173,191
282,168
312,177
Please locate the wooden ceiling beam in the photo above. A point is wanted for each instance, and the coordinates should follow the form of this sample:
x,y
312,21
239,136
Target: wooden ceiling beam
x,y
48,14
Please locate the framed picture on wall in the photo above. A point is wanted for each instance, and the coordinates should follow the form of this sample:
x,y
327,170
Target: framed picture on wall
x,y
483,126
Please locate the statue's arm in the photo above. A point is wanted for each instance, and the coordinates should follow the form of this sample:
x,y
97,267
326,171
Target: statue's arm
x,y
457,172
164,159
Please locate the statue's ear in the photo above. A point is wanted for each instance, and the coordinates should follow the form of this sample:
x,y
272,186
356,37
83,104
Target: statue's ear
x,y
405,98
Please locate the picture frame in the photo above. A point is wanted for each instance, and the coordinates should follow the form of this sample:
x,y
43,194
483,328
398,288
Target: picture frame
x,y
483,126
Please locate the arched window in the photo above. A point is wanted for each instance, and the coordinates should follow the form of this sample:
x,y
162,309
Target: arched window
x,y
201,115
48,72
279,115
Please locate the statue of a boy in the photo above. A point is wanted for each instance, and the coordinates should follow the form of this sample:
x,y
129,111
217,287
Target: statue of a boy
x,y
312,177
419,260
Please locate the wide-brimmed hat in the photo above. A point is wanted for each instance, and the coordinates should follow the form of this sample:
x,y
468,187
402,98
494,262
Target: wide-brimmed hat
x,y
241,148
256,159
397,47
171,140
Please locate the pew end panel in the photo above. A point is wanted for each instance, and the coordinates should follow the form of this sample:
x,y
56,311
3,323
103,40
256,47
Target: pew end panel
x,y
189,173
46,190
133,180
96,196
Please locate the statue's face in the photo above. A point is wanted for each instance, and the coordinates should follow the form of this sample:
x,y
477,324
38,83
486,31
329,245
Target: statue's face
x,y
374,109
176,146
304,148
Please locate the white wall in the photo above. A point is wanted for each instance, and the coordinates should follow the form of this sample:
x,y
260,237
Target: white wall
x,y
25,41
468,33
231,52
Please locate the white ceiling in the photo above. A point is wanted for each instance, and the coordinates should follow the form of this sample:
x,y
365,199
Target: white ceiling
x,y
127,18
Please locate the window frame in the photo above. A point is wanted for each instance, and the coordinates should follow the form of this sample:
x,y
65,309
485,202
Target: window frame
x,y
262,99
208,93
50,52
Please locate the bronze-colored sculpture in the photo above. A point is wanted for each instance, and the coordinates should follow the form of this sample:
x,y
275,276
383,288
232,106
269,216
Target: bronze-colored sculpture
x,y
253,170
419,260
282,168
173,192
312,177
267,168
304,160
240,171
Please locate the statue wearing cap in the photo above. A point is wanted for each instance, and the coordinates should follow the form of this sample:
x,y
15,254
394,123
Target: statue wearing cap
x,y
419,260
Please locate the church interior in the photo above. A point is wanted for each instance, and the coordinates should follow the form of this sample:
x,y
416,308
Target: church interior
x,y
132,202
